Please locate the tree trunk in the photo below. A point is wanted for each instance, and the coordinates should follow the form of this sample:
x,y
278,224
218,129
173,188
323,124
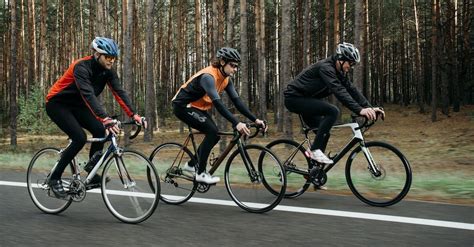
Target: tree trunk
x,y
198,36
419,80
261,71
13,73
286,45
298,47
92,18
179,40
244,79
128,49
337,31
81,28
465,50
21,82
230,24
220,24
278,107
403,84
42,53
344,19
358,42
99,21
306,34
150,83
327,21
434,60
32,68
165,72
453,58
365,51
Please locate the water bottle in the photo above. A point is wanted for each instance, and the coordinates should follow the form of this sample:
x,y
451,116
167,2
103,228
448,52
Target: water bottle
x,y
93,161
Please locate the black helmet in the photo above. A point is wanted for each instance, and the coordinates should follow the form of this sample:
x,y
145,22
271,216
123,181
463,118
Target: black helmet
x,y
347,52
228,54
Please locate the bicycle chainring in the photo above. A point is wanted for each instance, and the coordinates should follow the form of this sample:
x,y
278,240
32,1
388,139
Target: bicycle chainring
x,y
77,190
317,175
202,187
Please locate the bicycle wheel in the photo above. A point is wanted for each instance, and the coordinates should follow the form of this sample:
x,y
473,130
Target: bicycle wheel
x,y
177,186
252,186
37,181
295,163
131,194
386,188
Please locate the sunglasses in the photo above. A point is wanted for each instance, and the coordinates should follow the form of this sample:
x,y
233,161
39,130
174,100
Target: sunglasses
x,y
234,65
109,58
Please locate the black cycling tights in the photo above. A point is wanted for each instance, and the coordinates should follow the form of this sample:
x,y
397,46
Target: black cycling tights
x,y
316,113
71,120
203,122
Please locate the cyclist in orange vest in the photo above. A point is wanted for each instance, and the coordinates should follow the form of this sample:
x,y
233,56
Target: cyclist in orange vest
x,y
199,94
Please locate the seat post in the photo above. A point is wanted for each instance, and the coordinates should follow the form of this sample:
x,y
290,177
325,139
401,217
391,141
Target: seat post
x,y
191,135
305,127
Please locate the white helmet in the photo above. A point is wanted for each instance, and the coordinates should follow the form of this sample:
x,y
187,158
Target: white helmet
x,y
347,52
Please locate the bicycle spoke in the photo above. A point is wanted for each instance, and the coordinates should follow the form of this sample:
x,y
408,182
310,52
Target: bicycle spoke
x,y
132,193
37,176
258,188
382,187
296,165
177,186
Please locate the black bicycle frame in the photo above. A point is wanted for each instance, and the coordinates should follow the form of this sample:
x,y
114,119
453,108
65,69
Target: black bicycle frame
x,y
354,141
235,141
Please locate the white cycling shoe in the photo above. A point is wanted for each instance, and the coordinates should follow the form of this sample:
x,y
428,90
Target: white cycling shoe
x,y
206,178
320,157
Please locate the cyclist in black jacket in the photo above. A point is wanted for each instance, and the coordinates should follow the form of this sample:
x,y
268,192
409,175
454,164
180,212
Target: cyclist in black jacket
x,y
304,96
72,103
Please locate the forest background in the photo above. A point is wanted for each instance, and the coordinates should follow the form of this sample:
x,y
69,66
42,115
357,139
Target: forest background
x,y
416,62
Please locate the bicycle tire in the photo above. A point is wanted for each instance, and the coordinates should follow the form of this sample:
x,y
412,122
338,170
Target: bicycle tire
x,y
37,177
177,185
254,195
126,189
296,167
379,191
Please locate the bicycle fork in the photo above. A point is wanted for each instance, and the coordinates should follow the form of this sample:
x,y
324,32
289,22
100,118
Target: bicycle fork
x,y
251,171
121,170
373,167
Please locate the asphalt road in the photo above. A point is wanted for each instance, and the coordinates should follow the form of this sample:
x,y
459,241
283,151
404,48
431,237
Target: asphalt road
x,y
314,219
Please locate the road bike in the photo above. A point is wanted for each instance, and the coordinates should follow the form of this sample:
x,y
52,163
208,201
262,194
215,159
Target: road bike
x,y
253,175
130,185
376,172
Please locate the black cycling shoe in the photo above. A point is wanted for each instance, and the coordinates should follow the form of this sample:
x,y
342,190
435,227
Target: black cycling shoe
x,y
96,182
56,186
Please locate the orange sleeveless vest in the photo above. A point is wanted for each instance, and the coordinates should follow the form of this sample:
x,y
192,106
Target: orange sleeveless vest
x,y
205,103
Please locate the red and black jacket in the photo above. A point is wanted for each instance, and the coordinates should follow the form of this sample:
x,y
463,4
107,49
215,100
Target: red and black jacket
x,y
83,81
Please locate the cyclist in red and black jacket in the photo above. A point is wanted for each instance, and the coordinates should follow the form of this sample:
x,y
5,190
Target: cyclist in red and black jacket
x,y
72,103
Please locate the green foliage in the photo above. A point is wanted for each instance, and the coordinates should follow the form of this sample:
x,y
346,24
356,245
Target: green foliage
x,y
32,115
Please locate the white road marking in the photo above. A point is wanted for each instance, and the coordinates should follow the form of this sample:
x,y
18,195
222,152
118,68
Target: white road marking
x,y
328,212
